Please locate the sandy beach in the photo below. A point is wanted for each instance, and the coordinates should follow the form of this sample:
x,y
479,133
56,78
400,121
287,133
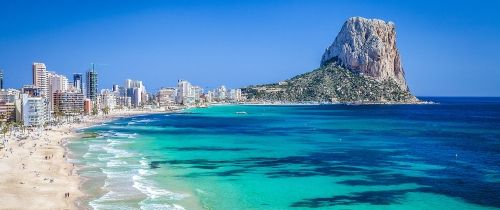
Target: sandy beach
x,y
34,172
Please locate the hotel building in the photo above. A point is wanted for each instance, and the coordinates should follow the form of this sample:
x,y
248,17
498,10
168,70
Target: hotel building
x,y
33,110
68,103
92,84
166,97
78,82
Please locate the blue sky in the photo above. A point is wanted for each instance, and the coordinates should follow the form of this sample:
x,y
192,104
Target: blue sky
x,y
450,48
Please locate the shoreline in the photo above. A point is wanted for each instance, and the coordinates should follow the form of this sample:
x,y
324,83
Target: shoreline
x,y
332,103
36,171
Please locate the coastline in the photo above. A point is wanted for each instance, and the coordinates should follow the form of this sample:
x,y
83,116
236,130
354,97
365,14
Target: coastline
x,y
281,103
36,172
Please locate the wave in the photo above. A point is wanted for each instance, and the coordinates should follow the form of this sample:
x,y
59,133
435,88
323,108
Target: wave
x,y
153,192
146,121
118,153
115,134
150,206
125,179
115,163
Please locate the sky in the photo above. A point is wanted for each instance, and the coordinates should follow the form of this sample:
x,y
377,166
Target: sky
x,y
448,48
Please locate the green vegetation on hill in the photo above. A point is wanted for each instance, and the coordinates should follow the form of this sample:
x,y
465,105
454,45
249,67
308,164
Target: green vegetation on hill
x,y
330,83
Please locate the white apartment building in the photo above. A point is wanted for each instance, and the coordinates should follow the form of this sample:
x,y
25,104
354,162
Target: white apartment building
x,y
235,95
108,99
33,111
185,94
136,91
221,93
166,96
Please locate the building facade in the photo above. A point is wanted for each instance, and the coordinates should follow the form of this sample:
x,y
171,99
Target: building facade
x,y
92,84
166,97
87,106
108,99
40,78
136,90
10,109
1,79
78,82
33,110
68,103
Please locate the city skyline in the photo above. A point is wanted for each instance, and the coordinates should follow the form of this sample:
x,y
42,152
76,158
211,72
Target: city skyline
x,y
242,43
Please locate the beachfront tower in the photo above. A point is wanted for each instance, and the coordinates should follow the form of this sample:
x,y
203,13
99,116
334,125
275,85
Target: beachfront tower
x,y
92,84
1,79
78,82
40,78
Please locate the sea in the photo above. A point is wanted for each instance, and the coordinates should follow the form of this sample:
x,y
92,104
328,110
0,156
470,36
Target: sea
x,y
230,157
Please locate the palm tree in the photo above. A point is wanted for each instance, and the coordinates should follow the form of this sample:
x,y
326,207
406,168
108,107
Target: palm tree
x,y
5,129
95,111
105,110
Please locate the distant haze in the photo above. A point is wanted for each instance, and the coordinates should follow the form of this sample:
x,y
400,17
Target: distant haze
x,y
450,48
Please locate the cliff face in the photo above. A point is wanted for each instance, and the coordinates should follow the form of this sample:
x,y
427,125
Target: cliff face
x,y
362,65
368,47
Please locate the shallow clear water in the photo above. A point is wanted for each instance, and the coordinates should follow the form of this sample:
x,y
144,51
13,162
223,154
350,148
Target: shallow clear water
x,y
298,157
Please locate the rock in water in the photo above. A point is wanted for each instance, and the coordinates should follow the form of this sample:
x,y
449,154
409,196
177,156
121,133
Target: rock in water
x,y
361,66
368,46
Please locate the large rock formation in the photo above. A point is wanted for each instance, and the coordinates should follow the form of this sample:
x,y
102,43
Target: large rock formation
x,y
362,65
368,46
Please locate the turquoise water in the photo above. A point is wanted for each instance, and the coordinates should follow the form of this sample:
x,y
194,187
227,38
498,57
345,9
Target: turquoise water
x,y
298,157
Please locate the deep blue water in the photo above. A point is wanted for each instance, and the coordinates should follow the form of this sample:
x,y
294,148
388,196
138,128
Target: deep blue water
x,y
445,155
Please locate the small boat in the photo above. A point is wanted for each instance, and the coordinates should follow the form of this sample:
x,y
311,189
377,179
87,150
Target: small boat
x,y
241,113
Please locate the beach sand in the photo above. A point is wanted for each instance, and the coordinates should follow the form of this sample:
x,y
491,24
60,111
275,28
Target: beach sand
x,y
34,172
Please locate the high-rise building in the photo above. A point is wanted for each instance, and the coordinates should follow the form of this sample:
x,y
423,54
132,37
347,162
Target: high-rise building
x,y
136,91
68,103
235,95
135,96
166,96
1,79
57,83
92,84
9,105
33,110
108,99
78,82
40,78
184,92
116,88
221,93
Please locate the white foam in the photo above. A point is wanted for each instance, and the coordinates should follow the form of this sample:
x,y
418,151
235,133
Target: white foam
x,y
144,162
148,206
124,135
95,147
118,153
146,121
145,172
154,192
115,163
114,174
